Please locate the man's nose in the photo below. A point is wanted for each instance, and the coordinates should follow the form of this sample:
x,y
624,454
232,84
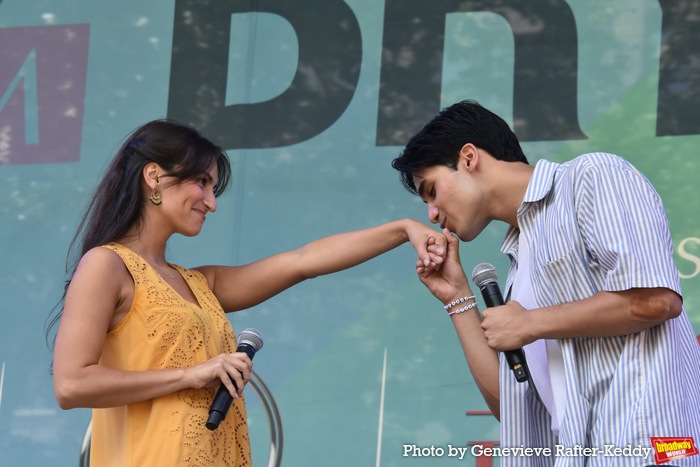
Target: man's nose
x,y
433,214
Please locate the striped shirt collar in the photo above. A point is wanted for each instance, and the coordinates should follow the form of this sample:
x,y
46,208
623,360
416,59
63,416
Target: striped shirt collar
x,y
541,183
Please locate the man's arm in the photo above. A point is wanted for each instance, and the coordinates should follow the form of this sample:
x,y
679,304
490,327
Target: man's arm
x,y
447,284
604,314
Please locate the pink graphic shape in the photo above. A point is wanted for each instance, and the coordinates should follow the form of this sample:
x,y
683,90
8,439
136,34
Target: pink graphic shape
x,y
42,119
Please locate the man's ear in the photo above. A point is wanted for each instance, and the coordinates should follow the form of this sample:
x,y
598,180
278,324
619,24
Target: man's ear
x,y
468,157
151,174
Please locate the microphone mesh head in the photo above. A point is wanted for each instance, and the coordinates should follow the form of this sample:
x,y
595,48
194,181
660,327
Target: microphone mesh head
x,y
484,273
252,337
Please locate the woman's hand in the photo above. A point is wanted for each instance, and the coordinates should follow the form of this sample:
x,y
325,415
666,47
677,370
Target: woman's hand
x,y
232,370
430,245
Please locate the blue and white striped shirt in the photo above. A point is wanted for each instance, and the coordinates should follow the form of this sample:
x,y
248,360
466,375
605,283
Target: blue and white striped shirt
x,y
596,223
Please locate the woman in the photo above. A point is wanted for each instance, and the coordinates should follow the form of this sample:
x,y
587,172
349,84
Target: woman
x,y
145,343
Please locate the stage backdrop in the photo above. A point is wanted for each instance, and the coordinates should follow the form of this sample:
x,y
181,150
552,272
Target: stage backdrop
x,y
312,100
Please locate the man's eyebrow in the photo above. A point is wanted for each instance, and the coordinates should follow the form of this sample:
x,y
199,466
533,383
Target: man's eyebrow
x,y
420,187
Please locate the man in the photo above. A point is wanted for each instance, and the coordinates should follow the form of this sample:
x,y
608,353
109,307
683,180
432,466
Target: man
x,y
592,292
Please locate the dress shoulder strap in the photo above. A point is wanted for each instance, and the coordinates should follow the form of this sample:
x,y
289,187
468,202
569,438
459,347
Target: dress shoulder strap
x,y
134,263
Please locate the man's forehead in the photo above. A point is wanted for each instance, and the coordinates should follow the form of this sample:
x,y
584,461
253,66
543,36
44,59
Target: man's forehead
x,y
419,175
418,181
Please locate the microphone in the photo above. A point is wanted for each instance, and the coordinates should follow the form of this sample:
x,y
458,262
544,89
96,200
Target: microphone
x,y
250,340
486,278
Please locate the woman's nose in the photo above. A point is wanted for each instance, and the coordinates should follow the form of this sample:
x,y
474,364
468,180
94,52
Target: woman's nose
x,y
210,202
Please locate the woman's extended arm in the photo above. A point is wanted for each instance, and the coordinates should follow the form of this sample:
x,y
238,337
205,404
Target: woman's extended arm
x,y
239,287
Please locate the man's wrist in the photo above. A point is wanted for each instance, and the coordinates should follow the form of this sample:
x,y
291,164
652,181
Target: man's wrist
x,y
458,301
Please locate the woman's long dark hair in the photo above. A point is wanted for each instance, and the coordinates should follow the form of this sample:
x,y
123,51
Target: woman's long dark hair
x,y
118,202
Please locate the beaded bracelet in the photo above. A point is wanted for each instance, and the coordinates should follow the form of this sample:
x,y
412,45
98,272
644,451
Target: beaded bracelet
x,y
457,302
462,310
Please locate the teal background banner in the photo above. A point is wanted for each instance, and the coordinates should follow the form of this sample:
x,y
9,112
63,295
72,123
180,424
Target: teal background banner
x,y
312,100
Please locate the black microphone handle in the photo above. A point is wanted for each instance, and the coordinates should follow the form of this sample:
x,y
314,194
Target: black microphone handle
x,y
492,294
515,358
223,400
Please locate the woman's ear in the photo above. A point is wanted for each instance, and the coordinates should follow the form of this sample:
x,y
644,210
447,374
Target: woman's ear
x,y
151,174
468,157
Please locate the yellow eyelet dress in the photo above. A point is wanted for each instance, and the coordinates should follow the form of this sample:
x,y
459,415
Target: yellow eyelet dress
x,y
162,330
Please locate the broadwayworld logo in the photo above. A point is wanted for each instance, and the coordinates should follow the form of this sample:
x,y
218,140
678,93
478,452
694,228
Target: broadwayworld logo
x,y
668,449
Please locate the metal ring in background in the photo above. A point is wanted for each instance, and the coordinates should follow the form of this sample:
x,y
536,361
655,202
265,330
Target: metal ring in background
x,y
84,460
273,419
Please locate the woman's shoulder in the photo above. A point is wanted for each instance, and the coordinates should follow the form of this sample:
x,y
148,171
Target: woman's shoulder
x,y
100,268
103,257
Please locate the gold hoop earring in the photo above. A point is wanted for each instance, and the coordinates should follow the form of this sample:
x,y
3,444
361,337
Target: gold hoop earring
x,y
155,196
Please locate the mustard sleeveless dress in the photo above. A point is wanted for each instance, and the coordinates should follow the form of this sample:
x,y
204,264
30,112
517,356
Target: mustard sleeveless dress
x,y
163,330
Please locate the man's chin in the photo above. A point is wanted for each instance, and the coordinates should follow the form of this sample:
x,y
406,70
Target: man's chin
x,y
465,237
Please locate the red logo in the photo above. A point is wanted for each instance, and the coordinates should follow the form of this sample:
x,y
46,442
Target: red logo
x,y
668,449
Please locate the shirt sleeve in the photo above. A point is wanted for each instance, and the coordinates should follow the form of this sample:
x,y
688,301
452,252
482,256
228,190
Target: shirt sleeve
x,y
625,227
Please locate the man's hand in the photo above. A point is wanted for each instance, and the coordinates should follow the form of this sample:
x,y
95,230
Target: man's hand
x,y
448,282
506,327
430,245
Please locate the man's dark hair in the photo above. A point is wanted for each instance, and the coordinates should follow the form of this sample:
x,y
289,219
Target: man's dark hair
x,y
440,141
